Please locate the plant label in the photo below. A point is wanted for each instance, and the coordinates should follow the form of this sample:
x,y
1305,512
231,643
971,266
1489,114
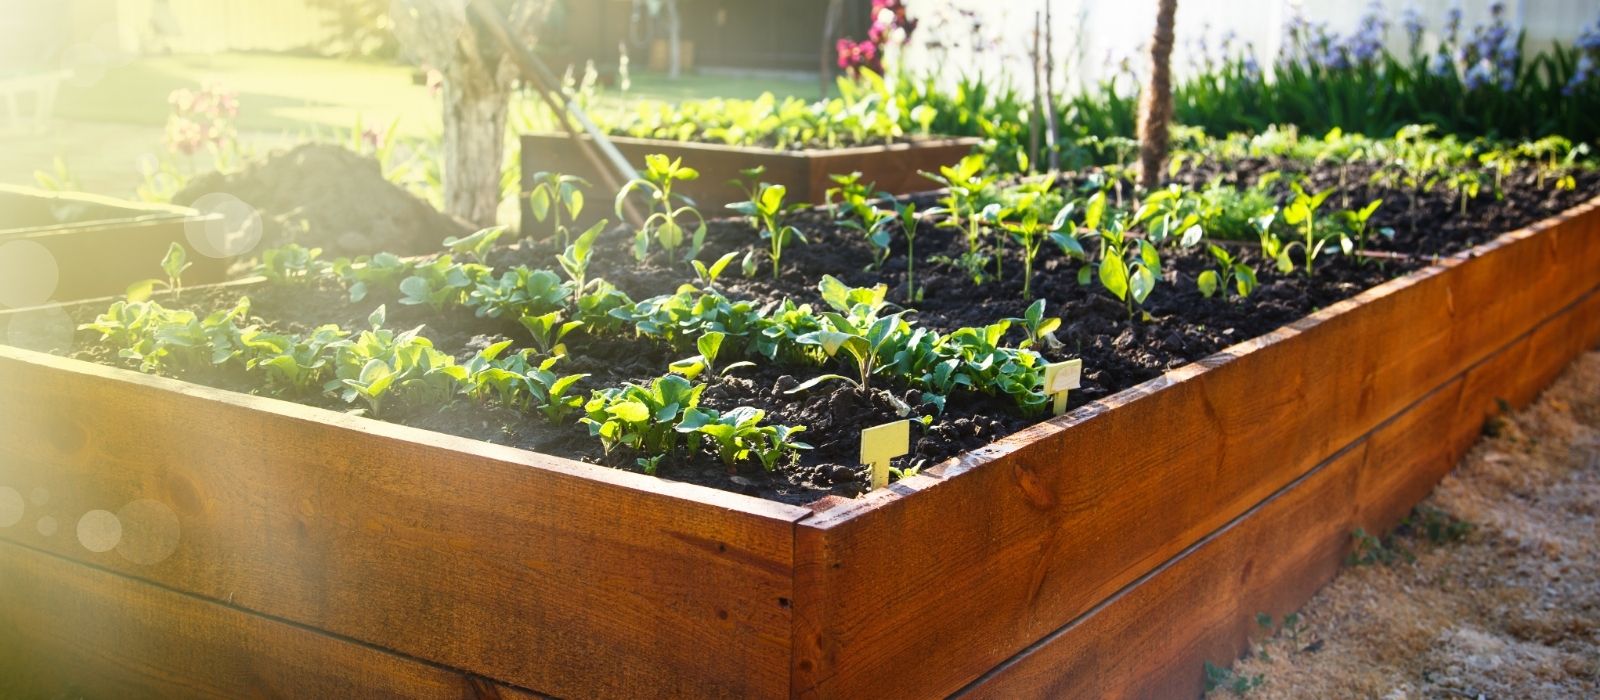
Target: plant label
x,y
882,443
1060,379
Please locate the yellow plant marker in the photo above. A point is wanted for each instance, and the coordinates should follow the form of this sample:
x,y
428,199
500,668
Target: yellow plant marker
x,y
882,443
1060,379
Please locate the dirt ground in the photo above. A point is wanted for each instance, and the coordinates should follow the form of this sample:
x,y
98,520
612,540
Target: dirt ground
x,y
1510,609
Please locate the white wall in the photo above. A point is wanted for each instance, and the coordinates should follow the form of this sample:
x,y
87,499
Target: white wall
x,y
1092,36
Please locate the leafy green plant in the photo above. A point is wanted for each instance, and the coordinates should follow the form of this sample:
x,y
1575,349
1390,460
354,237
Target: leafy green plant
x,y
1038,329
517,292
1128,268
440,283
907,215
174,264
547,330
666,221
1023,222
739,435
709,274
291,264
767,211
710,346
1301,212
1358,229
554,194
363,274
575,259
1228,270
854,205
381,367
967,188
295,365
863,340
644,418
477,245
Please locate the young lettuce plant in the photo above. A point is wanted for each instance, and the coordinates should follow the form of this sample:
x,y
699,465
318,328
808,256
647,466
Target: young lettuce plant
x,y
855,330
174,264
1039,330
709,345
738,435
293,365
666,221
547,331
767,211
291,264
364,274
477,245
644,418
1228,270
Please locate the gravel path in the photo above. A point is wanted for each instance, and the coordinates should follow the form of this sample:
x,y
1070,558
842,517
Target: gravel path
x,y
1505,604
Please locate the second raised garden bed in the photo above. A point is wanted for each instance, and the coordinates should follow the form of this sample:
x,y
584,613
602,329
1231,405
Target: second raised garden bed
x,y
1104,552
893,167
101,245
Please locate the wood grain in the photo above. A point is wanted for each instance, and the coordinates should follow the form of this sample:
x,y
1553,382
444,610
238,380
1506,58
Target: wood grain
x,y
96,259
1151,639
68,630
1018,538
560,577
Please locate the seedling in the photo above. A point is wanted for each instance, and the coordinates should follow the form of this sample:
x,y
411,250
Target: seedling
x,y
709,345
477,245
883,443
1040,330
1242,276
174,263
291,264
554,194
967,186
1357,226
1302,212
575,259
666,222
766,211
739,435
548,330
857,209
708,274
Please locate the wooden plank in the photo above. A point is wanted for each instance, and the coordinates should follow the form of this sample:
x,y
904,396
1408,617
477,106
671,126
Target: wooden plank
x,y
561,577
1015,539
71,630
1151,639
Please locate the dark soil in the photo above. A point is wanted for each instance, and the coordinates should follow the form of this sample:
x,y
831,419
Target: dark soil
x,y
325,196
1118,352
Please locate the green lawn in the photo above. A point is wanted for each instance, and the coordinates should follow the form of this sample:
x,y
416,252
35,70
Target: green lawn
x,y
296,94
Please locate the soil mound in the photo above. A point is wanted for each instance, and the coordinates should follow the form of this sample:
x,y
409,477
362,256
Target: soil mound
x,y
326,196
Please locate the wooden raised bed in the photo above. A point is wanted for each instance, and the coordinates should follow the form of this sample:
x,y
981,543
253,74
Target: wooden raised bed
x,y
100,244
1102,553
806,173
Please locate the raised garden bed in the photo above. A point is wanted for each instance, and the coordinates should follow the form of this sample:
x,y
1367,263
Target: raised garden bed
x,y
805,173
1108,550
101,245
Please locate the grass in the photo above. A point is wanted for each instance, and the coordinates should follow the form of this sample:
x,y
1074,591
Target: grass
x,y
293,94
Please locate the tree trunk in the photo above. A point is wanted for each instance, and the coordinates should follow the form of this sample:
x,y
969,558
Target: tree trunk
x,y
830,24
1155,105
674,40
474,146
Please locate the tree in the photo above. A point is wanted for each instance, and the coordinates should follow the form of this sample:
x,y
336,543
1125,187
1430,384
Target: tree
x,y
1155,105
478,79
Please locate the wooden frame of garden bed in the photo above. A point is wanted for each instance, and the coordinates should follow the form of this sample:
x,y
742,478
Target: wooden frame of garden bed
x,y
894,168
102,257
1102,553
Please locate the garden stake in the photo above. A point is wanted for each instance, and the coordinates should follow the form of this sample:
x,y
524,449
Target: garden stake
x,y
882,443
1060,379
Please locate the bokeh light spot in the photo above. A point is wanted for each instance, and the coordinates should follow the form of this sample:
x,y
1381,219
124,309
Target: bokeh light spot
x,y
28,274
99,531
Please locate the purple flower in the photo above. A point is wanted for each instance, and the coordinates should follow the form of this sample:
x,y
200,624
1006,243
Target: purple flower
x,y
1411,18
